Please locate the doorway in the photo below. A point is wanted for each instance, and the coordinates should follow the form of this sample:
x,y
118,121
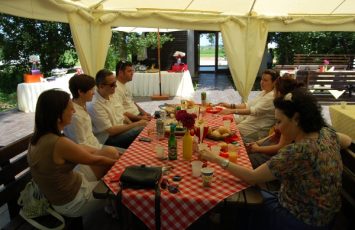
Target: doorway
x,y
210,54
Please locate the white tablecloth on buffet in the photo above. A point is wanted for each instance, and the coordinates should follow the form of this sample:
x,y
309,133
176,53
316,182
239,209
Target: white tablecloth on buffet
x,y
28,93
173,84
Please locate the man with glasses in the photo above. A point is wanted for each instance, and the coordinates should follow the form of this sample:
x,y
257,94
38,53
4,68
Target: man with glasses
x,y
123,96
110,125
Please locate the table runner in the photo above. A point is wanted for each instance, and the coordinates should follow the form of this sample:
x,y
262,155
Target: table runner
x,y
180,210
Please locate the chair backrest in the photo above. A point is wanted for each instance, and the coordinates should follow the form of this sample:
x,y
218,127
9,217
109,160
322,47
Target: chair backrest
x,y
348,192
14,172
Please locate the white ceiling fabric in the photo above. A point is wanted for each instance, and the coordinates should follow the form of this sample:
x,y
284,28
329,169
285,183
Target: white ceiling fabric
x,y
244,23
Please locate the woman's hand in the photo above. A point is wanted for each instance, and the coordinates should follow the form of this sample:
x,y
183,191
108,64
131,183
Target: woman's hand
x,y
254,147
226,105
227,111
209,156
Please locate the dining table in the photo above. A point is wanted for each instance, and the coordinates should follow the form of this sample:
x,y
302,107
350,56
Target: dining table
x,y
172,84
343,118
28,93
177,210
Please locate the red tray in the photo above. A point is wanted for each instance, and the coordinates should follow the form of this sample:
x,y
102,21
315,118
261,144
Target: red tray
x,y
214,110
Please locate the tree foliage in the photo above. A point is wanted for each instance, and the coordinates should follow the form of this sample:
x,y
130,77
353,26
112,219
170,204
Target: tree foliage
x,y
124,46
291,43
22,37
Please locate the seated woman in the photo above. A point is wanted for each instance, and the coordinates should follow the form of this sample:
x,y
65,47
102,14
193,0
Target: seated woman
x,y
309,169
80,128
259,111
52,158
263,149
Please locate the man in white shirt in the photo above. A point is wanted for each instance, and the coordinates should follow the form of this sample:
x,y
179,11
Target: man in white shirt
x,y
110,125
259,112
123,96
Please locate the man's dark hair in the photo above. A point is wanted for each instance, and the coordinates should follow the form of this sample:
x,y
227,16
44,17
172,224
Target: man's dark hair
x,y
101,75
122,65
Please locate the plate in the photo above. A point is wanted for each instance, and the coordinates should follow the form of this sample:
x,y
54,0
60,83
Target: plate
x,y
219,138
180,131
214,110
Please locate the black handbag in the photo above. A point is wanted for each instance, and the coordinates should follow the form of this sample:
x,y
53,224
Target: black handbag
x,y
140,177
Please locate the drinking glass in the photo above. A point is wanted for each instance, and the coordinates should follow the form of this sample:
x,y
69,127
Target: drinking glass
x,y
198,133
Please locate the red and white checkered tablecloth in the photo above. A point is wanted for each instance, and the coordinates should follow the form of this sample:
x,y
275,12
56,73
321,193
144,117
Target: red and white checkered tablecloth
x,y
180,210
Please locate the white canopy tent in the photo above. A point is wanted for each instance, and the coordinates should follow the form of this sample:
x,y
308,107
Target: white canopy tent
x,y
244,24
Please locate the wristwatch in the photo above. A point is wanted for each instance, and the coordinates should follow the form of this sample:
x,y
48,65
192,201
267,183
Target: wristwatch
x,y
224,163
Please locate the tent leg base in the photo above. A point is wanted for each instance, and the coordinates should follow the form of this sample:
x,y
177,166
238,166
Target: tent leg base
x,y
159,97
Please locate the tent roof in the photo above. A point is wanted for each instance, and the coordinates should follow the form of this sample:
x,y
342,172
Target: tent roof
x,y
226,7
55,10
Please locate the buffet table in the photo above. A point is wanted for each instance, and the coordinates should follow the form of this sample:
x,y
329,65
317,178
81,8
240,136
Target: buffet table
x,y
343,119
28,93
172,84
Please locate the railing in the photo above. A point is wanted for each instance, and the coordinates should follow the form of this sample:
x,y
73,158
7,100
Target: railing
x,y
329,86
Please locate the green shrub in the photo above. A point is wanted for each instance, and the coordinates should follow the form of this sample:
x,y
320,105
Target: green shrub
x,y
10,77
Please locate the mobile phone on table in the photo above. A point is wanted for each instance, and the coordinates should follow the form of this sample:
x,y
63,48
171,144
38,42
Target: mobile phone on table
x,y
145,139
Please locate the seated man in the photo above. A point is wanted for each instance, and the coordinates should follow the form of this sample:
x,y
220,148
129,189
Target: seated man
x,y
259,111
110,126
123,96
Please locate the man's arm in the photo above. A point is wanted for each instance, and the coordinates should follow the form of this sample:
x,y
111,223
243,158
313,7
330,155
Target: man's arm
x,y
118,129
141,111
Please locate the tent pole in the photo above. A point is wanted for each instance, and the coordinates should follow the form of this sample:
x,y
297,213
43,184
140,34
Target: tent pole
x,y
158,38
160,96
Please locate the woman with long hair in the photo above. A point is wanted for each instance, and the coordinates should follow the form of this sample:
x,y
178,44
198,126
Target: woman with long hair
x,y
52,158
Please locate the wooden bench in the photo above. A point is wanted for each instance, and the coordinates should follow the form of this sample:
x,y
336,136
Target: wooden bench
x,y
339,61
14,175
319,83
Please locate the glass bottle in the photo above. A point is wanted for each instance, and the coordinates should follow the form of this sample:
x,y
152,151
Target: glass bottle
x,y
172,144
203,98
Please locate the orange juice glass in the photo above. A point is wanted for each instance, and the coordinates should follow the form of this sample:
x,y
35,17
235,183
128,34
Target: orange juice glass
x,y
233,157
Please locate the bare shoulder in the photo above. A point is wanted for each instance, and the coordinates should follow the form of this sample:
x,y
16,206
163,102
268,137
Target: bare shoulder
x,y
65,144
344,140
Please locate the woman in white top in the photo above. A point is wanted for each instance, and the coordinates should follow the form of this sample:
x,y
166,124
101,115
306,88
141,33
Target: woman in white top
x,y
80,129
260,111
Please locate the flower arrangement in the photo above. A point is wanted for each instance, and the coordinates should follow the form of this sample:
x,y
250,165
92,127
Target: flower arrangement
x,y
34,60
179,54
187,119
326,63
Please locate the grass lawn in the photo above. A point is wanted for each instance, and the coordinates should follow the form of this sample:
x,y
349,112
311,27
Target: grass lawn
x,y
209,51
8,101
